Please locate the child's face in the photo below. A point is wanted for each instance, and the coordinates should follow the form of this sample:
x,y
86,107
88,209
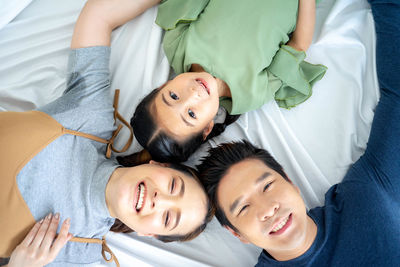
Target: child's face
x,y
187,104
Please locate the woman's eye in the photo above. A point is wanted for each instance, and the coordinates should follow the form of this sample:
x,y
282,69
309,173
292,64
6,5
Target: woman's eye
x,y
166,219
172,185
173,96
266,186
243,208
191,114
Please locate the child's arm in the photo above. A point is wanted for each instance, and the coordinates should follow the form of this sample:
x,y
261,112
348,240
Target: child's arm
x,y
302,36
99,17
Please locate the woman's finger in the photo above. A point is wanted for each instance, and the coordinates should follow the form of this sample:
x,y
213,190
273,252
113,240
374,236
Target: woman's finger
x,y
42,231
50,233
61,240
32,233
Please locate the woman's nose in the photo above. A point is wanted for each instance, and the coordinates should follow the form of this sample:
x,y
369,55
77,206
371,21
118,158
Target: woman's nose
x,y
160,200
153,199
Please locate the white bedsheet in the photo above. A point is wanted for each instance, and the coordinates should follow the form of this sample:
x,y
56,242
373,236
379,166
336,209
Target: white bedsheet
x,y
316,142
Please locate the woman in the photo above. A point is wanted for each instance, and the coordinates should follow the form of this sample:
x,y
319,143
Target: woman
x,y
56,165
230,54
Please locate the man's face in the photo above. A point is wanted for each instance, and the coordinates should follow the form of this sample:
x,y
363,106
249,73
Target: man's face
x,y
267,210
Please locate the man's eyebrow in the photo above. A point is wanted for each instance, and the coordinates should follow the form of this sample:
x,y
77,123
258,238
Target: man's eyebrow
x,y
185,121
234,204
262,177
165,100
178,218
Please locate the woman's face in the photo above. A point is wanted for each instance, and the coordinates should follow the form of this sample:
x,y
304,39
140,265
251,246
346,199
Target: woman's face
x,y
187,104
153,200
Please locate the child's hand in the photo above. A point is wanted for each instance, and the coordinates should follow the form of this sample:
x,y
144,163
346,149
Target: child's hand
x,y
41,246
302,37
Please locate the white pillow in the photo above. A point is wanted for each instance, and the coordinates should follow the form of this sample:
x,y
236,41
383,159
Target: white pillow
x,y
9,9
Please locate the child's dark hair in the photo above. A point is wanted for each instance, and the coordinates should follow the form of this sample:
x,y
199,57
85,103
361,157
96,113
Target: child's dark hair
x,y
220,159
158,143
120,227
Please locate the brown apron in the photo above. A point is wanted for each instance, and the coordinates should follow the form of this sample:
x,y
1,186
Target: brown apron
x,y
22,136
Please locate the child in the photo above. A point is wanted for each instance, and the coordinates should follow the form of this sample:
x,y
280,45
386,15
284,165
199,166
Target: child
x,y
230,54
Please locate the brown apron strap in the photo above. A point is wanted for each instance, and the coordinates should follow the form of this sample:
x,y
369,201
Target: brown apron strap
x,y
89,136
104,247
121,119
110,143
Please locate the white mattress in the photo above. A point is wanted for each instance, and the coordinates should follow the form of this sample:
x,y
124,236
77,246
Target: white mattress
x,y
316,142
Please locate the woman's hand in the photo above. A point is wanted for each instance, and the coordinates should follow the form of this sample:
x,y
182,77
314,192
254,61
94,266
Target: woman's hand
x,y
41,246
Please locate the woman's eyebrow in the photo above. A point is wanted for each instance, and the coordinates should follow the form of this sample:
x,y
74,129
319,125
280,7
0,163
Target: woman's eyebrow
x,y
178,214
177,220
182,192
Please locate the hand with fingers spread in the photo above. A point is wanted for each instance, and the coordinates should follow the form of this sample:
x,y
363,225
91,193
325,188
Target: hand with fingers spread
x,y
42,245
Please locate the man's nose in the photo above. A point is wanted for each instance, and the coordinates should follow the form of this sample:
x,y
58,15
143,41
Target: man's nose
x,y
267,210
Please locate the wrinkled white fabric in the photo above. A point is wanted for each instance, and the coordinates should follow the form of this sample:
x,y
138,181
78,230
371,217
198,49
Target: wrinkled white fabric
x,y
316,142
10,9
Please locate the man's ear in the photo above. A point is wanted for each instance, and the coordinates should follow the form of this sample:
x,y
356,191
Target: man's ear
x,y
142,234
241,238
159,163
208,129
297,189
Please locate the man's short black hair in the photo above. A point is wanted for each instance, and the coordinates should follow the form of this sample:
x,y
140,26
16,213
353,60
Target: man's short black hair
x,y
220,159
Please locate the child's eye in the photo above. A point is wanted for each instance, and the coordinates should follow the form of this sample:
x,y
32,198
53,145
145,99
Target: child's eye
x,y
191,114
173,96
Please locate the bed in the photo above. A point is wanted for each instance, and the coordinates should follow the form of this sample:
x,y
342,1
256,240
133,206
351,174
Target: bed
x,y
316,142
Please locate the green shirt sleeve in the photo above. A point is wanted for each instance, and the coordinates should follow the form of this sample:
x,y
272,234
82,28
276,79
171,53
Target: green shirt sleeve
x,y
297,76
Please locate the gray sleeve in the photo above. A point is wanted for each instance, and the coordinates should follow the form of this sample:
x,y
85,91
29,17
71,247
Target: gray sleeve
x,y
86,104
88,70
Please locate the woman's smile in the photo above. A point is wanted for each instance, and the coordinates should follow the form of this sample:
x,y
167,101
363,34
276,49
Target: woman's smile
x,y
140,196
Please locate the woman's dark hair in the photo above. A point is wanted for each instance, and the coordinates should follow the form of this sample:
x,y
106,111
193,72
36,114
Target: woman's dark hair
x,y
220,159
120,227
158,143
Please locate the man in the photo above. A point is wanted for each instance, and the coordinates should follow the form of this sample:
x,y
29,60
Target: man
x,y
360,222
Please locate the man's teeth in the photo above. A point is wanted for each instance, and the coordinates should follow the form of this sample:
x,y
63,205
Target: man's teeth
x,y
280,225
141,197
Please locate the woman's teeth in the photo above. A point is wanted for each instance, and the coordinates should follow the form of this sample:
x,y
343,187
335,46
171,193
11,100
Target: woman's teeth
x,y
280,225
139,204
